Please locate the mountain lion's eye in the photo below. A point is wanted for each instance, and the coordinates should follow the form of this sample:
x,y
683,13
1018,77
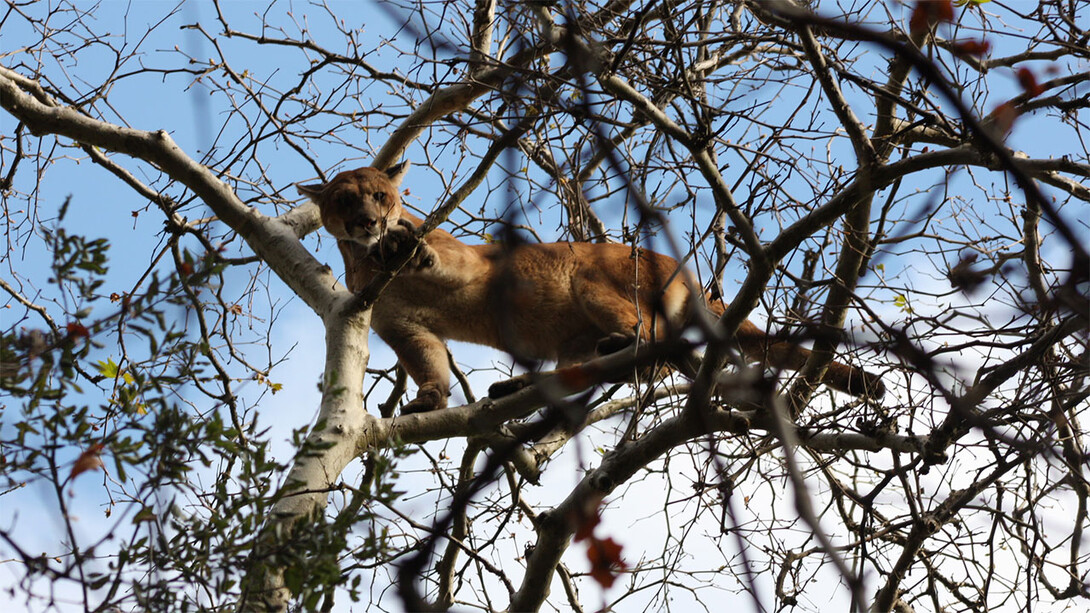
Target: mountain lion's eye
x,y
379,196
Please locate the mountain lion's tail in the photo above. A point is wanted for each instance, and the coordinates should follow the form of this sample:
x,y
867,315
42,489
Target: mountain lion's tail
x,y
771,352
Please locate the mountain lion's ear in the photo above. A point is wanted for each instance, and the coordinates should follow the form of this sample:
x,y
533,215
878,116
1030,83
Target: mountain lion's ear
x,y
397,172
312,191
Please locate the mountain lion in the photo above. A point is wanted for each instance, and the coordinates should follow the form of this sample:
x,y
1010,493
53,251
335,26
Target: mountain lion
x,y
551,301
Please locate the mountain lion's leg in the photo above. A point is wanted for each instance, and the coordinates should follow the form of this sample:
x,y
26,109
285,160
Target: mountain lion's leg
x,y
424,357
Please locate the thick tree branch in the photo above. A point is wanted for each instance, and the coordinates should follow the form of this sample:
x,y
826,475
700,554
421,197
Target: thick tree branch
x,y
275,243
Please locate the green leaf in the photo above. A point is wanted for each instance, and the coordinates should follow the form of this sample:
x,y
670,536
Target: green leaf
x,y
108,368
145,514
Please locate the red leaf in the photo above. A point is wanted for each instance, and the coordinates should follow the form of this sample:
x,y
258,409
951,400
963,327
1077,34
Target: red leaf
x,y
576,378
1028,81
77,330
88,460
1003,117
585,523
605,559
930,13
973,47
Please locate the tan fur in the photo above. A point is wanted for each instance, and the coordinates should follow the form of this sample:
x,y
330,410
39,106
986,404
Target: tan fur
x,y
551,301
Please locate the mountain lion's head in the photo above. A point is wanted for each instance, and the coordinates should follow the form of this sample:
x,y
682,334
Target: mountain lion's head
x,y
359,205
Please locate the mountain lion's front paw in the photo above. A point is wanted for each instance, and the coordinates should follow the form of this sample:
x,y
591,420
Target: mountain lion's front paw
x,y
395,241
425,256
405,225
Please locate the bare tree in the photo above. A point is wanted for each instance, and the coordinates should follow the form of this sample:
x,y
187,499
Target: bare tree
x,y
901,185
